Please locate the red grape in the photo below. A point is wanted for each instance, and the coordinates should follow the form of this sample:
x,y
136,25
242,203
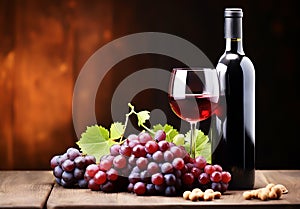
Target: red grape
x,y
209,169
125,150
157,179
139,151
151,147
100,177
203,178
105,164
112,174
200,162
163,145
218,168
92,169
178,163
196,172
188,179
160,135
226,176
216,176
139,188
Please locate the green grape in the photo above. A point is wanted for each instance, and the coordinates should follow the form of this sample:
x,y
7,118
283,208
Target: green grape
x,y
179,139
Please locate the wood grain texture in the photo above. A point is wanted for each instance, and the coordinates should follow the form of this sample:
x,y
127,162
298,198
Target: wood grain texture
x,y
76,198
25,189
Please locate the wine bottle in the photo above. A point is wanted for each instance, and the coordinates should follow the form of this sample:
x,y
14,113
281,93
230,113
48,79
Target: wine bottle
x,y
234,146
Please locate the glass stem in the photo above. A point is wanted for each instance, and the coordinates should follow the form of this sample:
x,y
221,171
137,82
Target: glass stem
x,y
193,139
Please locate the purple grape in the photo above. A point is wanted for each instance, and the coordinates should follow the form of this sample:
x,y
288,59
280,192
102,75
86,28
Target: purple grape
x,y
68,165
73,153
80,162
57,172
170,179
79,173
166,167
216,186
82,183
89,159
107,187
150,189
142,163
67,176
170,191
158,156
54,161
144,137
134,177
152,168
168,156
114,149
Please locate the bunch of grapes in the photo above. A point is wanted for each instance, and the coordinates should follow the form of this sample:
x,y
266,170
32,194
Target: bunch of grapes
x,y
152,166
69,168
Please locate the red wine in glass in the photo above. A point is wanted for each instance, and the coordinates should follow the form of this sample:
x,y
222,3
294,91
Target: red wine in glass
x,y
196,107
193,96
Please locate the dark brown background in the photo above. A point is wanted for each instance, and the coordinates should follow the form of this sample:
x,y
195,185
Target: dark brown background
x,y
44,45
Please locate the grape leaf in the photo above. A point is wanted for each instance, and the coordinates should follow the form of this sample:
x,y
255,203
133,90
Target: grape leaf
x,y
168,129
203,146
142,117
205,152
170,132
157,127
116,130
95,141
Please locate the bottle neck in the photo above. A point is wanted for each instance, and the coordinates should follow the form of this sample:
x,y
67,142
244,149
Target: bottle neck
x,y
234,45
233,33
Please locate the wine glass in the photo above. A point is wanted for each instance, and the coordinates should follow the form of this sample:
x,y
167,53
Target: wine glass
x,y
193,96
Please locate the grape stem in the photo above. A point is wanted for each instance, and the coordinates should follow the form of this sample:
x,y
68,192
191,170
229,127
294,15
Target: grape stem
x,y
132,111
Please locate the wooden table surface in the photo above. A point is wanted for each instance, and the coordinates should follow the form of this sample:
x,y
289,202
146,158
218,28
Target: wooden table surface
x,y
36,189
25,189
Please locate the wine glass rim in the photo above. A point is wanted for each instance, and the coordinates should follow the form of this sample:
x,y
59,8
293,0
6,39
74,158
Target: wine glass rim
x,y
194,68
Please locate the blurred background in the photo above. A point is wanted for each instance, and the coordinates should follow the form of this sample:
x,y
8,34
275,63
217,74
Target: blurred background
x,y
44,45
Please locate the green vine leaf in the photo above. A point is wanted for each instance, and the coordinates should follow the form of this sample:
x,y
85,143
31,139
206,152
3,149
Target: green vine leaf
x,y
203,146
95,141
142,117
116,130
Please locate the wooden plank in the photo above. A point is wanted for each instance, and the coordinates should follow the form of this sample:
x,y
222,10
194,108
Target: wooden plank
x,y
83,198
25,189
